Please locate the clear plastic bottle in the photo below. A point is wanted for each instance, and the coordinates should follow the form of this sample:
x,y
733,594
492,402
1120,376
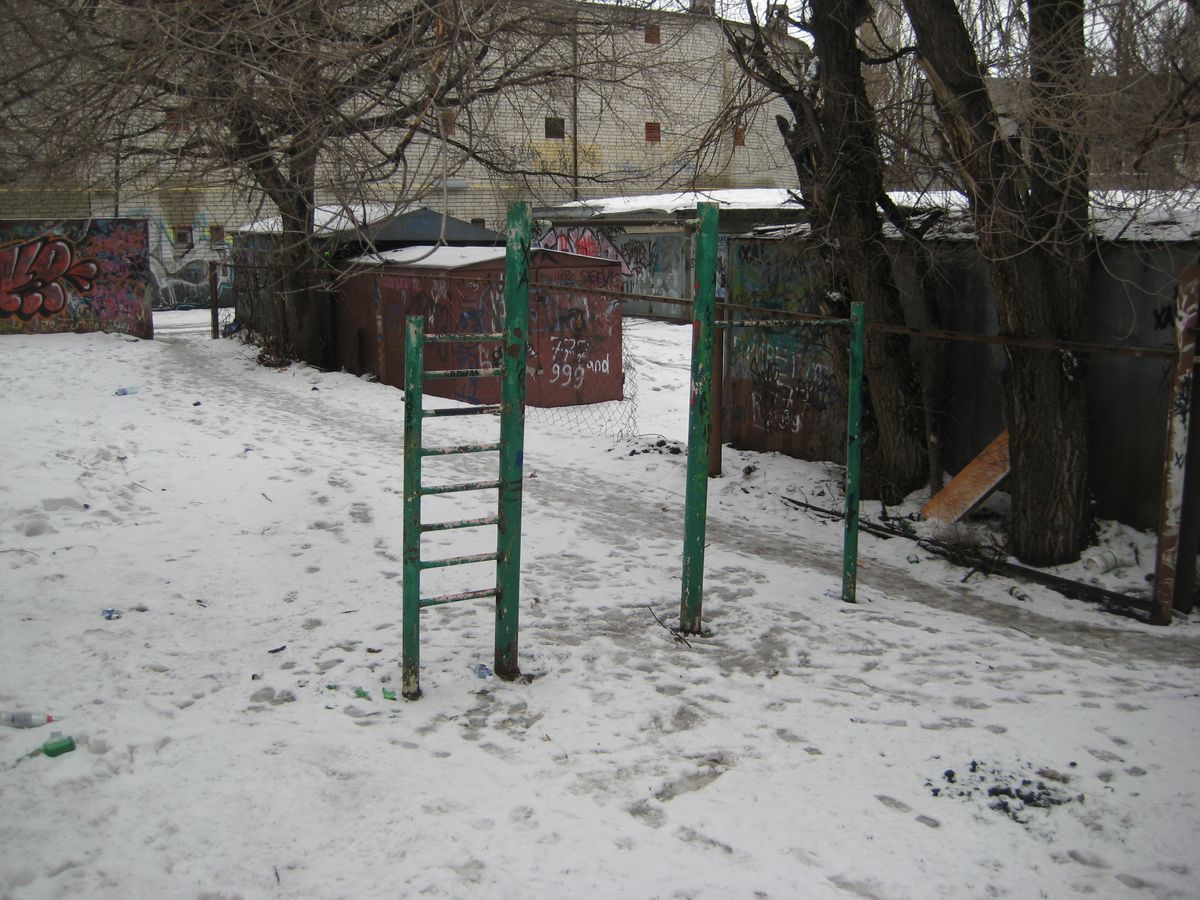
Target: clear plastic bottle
x,y
24,719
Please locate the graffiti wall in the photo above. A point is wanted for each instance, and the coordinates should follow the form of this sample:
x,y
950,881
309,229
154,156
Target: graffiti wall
x,y
575,348
585,241
75,275
656,264
652,264
783,391
574,332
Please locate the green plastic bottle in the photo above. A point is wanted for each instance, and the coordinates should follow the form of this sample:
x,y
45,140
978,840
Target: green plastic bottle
x,y
57,746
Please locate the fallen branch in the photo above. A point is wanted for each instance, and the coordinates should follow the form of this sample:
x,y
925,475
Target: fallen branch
x,y
674,631
1113,602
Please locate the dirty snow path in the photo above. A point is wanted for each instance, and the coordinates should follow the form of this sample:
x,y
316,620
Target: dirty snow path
x,y
234,739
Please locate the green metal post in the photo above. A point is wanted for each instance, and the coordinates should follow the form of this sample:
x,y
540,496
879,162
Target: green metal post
x,y
858,330
699,420
414,364
512,440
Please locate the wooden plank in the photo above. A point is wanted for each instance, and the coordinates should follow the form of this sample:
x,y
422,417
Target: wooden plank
x,y
1169,561
968,488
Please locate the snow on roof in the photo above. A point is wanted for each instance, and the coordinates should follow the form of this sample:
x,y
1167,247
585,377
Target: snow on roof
x,y
427,256
1160,216
681,201
1146,215
334,218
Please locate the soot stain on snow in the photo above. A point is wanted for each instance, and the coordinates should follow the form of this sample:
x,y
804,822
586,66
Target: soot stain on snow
x,y
1005,791
661,446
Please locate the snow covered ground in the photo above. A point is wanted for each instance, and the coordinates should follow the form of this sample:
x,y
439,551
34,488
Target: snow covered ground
x,y
939,739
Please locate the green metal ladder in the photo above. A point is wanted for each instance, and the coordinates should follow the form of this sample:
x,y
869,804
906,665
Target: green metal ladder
x,y
508,485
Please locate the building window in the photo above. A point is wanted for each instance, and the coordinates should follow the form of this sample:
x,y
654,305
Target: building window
x,y
653,132
739,137
181,237
653,35
216,233
556,128
448,120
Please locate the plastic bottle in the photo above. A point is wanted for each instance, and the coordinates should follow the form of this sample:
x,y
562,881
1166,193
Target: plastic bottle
x,y
125,391
58,745
24,719
1105,561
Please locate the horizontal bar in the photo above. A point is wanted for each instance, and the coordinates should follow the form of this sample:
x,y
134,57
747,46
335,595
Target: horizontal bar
x,y
460,448
776,323
627,222
459,560
463,338
465,411
463,486
454,598
465,373
459,523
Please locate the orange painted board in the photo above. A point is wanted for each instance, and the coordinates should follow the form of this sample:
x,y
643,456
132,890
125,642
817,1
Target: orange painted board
x,y
977,479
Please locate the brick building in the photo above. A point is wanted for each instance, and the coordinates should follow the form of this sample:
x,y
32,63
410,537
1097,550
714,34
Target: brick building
x,y
640,120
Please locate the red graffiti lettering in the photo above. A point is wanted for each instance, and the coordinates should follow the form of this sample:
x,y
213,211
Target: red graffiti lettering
x,y
34,276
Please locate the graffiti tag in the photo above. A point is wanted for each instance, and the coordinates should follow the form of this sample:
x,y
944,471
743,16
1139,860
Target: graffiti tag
x,y
35,276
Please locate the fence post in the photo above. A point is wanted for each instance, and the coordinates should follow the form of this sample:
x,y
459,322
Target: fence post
x,y
1173,554
414,366
699,420
853,453
212,297
512,439
380,334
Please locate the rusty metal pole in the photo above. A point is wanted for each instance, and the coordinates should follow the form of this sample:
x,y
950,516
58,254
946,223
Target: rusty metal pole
x,y
212,297
699,421
718,396
512,439
414,387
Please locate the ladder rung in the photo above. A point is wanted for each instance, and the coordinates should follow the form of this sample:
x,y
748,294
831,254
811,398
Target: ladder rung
x,y
460,523
464,373
464,338
454,598
463,486
459,448
459,560
464,411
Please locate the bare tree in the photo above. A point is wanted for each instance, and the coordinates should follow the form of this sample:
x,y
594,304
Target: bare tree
x,y
287,100
831,133
1031,213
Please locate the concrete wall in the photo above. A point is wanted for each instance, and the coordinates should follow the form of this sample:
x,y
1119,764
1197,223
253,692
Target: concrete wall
x,y
75,275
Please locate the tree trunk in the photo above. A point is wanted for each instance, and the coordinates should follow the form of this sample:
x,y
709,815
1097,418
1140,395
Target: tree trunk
x,y
305,335
847,182
1031,225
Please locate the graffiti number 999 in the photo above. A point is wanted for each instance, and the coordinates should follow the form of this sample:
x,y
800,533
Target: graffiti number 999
x,y
567,376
